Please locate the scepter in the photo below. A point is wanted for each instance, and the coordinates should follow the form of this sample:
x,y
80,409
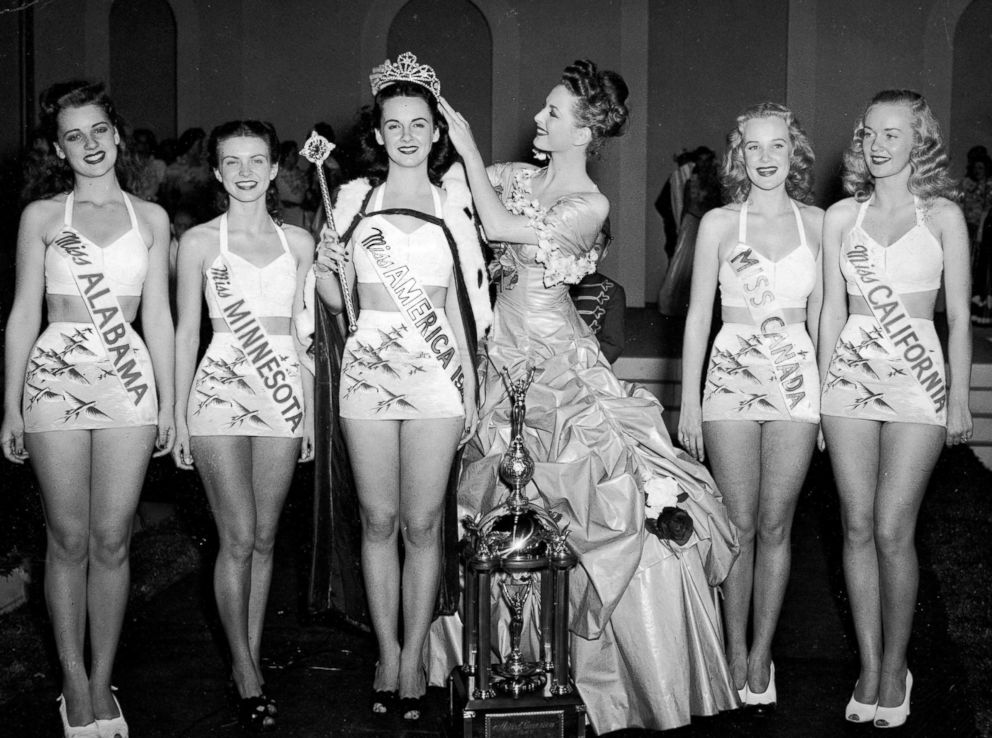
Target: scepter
x,y
316,150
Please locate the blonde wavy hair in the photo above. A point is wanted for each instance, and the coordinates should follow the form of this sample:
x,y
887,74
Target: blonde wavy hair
x,y
733,174
928,161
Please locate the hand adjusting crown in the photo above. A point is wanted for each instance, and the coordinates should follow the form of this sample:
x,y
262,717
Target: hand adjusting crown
x,y
405,69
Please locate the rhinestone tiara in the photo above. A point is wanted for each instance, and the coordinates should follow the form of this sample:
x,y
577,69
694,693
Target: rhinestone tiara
x,y
405,69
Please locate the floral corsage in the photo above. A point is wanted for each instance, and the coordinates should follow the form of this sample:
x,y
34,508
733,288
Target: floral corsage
x,y
664,518
558,266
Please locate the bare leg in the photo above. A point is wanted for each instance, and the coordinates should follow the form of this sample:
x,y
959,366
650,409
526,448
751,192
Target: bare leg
x,y
854,456
427,448
909,452
786,450
119,462
224,464
374,448
273,465
735,458
61,461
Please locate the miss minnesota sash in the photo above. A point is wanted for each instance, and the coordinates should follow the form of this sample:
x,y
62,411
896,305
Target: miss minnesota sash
x,y
411,300
104,309
767,315
254,341
891,314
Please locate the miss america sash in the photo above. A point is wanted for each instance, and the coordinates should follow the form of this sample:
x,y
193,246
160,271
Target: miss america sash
x,y
891,314
767,315
411,300
253,340
104,309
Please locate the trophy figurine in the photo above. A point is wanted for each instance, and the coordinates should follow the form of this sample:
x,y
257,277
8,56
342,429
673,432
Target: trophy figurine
x,y
518,674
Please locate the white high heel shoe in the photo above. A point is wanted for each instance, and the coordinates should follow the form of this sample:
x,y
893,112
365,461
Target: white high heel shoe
x,y
893,717
764,701
113,727
75,731
860,712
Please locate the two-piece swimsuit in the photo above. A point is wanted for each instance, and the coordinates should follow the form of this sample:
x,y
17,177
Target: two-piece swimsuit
x,y
888,365
92,374
398,364
764,369
248,382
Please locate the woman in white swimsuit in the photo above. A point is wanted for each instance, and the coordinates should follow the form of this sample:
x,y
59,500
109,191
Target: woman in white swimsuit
x,y
887,406
407,390
87,399
244,417
760,404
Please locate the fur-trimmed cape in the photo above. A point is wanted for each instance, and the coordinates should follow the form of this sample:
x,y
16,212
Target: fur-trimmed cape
x,y
336,581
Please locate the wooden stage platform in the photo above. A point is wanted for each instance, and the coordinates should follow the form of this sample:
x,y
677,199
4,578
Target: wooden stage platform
x,y
653,357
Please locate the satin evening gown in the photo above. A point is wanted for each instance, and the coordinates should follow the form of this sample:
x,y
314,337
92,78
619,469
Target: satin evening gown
x,y
647,639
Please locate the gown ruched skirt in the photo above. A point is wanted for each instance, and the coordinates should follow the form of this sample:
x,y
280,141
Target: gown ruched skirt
x,y
647,640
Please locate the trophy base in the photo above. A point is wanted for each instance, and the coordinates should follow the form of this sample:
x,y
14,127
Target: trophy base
x,y
536,715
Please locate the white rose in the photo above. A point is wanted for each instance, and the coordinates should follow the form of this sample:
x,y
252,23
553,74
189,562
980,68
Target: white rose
x,y
661,493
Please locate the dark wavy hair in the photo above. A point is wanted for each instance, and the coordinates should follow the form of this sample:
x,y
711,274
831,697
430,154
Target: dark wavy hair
x,y
78,93
733,173
250,129
601,101
374,161
927,160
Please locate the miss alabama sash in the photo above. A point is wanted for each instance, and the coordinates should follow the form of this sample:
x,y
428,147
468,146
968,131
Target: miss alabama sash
x,y
412,301
254,341
104,309
891,314
766,314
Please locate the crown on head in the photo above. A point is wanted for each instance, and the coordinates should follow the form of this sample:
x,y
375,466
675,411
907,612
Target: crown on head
x,y
405,69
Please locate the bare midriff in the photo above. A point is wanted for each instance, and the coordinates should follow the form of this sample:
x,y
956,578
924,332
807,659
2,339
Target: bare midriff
x,y
373,296
743,315
72,309
273,325
918,304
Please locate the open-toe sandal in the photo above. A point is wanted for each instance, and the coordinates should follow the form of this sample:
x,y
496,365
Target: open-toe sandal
x,y
254,716
411,708
383,701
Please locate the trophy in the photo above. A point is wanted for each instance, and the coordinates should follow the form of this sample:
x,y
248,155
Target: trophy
x,y
521,547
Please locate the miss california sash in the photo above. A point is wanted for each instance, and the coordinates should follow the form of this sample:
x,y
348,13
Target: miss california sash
x,y
412,301
254,341
762,305
891,314
104,309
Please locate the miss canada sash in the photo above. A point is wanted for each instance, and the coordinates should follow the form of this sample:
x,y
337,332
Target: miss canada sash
x,y
891,314
254,341
104,309
412,301
762,305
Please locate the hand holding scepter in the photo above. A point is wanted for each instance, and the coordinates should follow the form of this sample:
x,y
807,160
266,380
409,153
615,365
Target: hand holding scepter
x,y
316,150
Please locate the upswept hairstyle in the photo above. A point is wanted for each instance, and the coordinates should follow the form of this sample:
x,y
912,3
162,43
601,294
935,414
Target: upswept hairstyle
x,y
77,93
601,101
375,162
251,129
927,160
733,173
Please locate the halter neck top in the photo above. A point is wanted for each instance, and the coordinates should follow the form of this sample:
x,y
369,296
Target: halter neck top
x,y
268,290
124,261
424,251
913,262
793,276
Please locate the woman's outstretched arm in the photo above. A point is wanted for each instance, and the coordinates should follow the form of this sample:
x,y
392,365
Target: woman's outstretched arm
x,y
500,224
